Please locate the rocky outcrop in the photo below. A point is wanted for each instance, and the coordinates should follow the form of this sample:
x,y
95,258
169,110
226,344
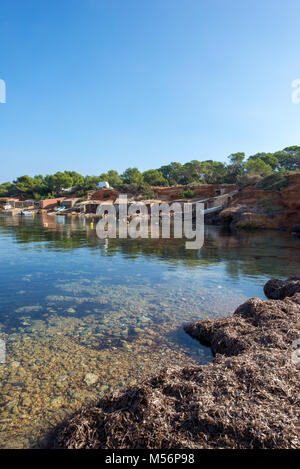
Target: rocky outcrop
x,y
278,289
241,216
168,193
104,194
256,207
295,230
247,397
204,191
290,195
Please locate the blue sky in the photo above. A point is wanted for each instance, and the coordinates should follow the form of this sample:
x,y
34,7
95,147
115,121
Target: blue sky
x,y
100,84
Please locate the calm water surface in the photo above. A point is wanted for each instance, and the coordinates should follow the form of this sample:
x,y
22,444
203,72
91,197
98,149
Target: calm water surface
x,y
82,317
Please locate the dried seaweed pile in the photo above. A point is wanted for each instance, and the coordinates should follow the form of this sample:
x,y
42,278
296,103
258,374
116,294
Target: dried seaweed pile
x,y
248,397
278,290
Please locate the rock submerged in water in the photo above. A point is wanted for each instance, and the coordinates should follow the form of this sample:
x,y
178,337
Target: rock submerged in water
x,y
28,309
91,378
57,402
14,364
247,397
295,231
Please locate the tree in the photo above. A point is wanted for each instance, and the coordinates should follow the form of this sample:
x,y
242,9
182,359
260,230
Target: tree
x,y
112,177
214,172
293,149
40,188
90,183
195,171
237,158
289,159
236,167
132,176
258,167
198,172
77,179
171,172
24,186
268,158
154,177
58,181
6,189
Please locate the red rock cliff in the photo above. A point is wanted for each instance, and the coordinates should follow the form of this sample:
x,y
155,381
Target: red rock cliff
x,y
255,207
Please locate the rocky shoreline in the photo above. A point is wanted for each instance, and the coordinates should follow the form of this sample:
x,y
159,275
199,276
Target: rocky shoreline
x,y
247,397
266,205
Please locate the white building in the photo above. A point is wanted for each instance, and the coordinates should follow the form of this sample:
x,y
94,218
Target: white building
x,y
103,185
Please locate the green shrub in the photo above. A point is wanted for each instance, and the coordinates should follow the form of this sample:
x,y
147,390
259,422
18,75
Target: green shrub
x,y
194,184
266,204
133,188
248,180
149,195
273,182
189,194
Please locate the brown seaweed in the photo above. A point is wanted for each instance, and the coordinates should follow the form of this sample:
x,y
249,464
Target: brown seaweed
x,y
247,397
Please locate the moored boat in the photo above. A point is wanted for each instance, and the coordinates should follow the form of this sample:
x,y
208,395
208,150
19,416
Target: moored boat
x,y
26,213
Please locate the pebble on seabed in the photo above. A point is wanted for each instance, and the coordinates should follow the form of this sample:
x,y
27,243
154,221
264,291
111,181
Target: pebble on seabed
x,y
78,352
91,378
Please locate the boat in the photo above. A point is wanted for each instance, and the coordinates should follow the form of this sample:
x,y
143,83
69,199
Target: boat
x,y
26,213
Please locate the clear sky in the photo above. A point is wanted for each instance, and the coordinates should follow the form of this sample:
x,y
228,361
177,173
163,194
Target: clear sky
x,y
100,84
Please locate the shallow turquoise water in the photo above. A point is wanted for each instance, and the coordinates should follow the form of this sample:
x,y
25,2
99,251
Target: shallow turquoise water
x,y
121,303
46,263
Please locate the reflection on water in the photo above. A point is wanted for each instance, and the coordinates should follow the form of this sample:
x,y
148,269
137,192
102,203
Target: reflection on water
x,y
82,317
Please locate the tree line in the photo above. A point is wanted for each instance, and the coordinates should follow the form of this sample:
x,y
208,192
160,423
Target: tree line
x,y
237,170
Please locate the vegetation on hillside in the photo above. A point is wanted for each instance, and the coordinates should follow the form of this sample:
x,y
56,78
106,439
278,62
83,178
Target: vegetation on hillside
x,y
238,170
